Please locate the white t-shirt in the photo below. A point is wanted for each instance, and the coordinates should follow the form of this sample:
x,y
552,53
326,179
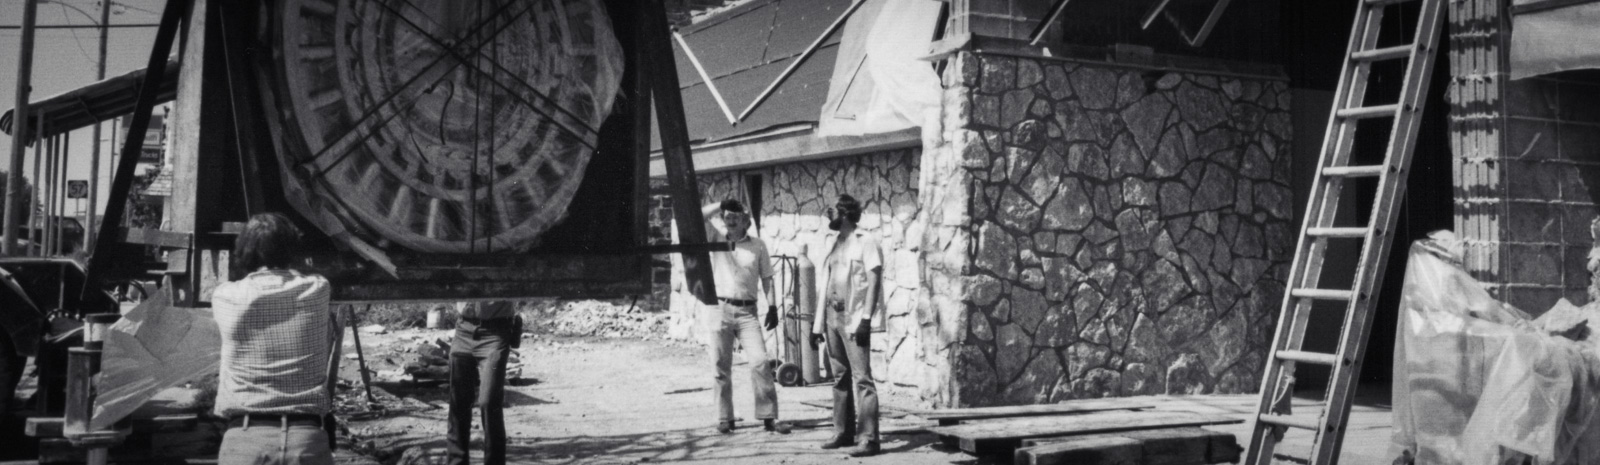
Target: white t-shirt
x,y
738,273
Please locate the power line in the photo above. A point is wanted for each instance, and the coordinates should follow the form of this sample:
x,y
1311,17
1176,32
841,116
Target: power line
x,y
75,38
134,8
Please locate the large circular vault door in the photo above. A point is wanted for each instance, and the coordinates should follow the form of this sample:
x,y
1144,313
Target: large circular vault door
x,y
441,126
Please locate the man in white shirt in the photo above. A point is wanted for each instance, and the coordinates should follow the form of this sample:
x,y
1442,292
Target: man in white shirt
x,y
277,343
737,274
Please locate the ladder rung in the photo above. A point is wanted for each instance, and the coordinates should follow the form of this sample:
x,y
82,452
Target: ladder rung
x,y
1377,111
1324,294
1310,424
1353,171
1337,232
1308,357
1380,54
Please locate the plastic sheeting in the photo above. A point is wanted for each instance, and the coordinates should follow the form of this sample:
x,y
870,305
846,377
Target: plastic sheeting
x,y
1477,381
880,84
153,347
1555,40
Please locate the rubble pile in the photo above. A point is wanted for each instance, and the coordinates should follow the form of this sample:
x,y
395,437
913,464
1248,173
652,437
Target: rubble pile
x,y
350,402
594,318
429,360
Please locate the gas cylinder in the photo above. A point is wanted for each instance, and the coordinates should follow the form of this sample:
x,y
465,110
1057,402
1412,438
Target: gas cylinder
x,y
806,301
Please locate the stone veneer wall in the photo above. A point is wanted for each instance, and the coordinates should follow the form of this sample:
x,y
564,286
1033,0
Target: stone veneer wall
x,y
1525,162
1102,231
793,198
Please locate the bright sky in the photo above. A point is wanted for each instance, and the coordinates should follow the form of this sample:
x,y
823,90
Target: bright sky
x,y
64,59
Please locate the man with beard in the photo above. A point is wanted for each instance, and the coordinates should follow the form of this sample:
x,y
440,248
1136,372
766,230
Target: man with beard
x,y
851,282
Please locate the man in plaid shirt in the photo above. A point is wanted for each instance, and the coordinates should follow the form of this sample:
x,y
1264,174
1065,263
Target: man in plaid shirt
x,y
277,343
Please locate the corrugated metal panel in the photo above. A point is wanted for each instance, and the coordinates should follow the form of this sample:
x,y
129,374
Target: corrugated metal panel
x,y
94,103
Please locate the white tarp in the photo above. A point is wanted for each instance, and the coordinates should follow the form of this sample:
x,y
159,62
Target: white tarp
x,y
153,347
1476,381
1560,39
879,83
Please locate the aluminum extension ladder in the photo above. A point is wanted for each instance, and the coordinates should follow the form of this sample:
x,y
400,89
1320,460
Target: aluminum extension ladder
x,y
1273,418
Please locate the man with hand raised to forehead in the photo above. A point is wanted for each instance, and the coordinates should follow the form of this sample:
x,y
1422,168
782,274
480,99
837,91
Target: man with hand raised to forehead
x,y
851,284
737,273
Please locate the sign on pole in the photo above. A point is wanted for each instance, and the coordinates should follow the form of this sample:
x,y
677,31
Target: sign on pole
x,y
77,189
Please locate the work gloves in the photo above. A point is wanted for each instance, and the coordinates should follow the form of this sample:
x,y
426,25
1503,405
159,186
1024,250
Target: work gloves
x,y
772,317
863,333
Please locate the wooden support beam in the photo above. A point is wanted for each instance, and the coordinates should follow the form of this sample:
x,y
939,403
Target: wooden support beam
x,y
953,416
675,152
54,427
1003,436
155,237
122,182
1166,446
683,248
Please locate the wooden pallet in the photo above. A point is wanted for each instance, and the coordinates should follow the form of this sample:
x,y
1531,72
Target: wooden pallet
x,y
947,417
1003,436
1166,446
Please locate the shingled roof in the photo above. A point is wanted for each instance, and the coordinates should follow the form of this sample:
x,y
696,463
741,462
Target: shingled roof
x,y
744,49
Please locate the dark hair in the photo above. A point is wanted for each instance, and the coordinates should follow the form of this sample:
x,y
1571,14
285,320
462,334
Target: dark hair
x,y
849,207
732,206
269,240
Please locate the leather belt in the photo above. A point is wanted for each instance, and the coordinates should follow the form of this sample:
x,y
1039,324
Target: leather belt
x,y
738,302
272,419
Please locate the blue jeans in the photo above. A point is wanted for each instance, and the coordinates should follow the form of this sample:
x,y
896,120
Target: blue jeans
x,y
855,395
275,444
478,376
734,322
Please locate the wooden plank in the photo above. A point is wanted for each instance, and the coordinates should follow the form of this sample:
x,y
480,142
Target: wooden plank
x,y
122,182
1092,450
675,151
155,237
1002,436
947,417
54,427
1168,446
884,411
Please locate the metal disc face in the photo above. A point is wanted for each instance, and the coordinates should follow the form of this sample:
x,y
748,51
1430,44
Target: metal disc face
x,y
459,126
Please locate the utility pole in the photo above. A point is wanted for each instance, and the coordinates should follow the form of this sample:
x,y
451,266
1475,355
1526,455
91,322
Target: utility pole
x,y
13,212
94,154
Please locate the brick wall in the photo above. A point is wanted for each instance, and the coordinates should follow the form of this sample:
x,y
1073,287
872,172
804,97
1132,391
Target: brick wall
x,y
1526,164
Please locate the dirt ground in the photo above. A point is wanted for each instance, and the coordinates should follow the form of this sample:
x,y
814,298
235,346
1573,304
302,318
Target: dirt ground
x,y
613,401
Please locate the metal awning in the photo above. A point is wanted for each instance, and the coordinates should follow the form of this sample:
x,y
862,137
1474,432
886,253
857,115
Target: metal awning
x,y
1520,7
1550,36
93,103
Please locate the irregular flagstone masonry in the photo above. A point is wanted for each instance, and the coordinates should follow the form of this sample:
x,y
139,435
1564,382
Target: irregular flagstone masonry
x,y
794,196
1099,231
